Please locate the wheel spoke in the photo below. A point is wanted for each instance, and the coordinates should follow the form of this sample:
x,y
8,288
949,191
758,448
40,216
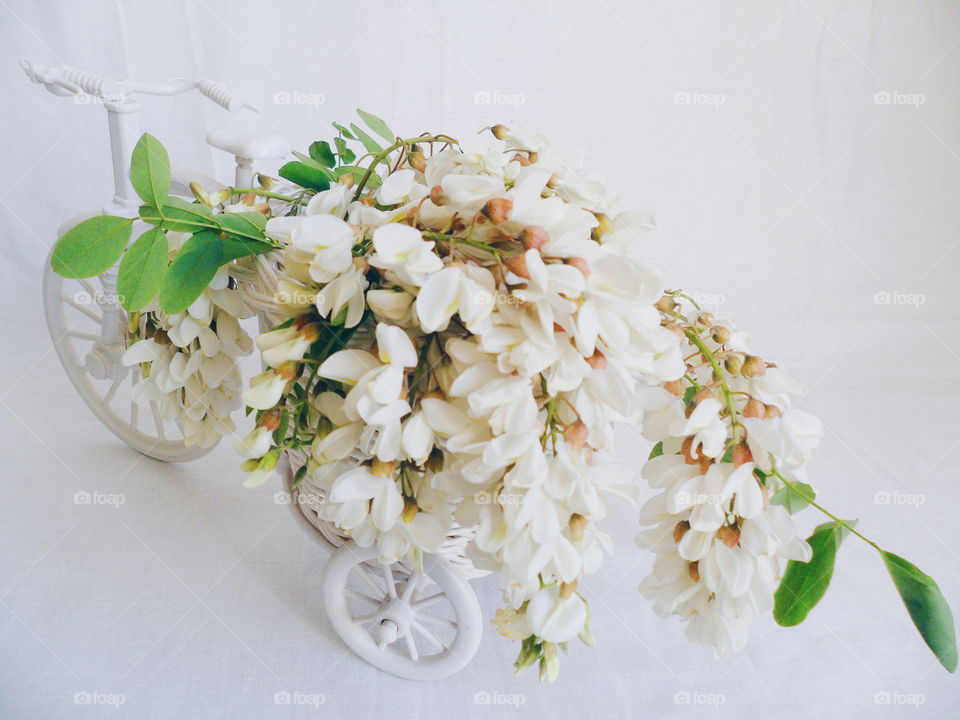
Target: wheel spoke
x,y
427,601
429,636
112,391
411,647
86,311
157,421
90,288
389,580
371,582
82,335
438,620
361,619
411,586
360,596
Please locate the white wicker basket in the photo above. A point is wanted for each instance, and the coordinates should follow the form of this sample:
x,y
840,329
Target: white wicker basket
x,y
257,279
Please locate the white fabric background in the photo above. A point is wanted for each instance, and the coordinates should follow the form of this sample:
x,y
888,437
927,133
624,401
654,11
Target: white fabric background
x,y
791,204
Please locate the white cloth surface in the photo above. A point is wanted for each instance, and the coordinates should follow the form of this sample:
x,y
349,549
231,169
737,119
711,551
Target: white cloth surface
x,y
786,192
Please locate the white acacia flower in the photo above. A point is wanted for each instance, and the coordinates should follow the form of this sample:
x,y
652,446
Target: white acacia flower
x,y
402,250
467,290
555,618
255,444
370,495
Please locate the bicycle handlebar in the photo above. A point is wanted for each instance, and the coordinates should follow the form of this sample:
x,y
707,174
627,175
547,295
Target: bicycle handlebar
x,y
66,80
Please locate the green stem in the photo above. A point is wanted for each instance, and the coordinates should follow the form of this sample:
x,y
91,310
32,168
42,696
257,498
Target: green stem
x,y
695,338
385,153
793,487
264,193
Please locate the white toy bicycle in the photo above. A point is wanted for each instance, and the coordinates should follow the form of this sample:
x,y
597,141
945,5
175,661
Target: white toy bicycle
x,y
417,624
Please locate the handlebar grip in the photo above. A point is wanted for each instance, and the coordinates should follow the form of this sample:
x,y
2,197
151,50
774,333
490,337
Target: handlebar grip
x,y
90,83
220,95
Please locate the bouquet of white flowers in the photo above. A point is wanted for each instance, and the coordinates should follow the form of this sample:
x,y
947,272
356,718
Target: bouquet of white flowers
x,y
463,323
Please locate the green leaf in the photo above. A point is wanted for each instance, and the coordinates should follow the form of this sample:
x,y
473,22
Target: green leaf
x,y
304,176
190,272
927,607
377,125
793,501
179,215
142,269
343,131
688,395
91,247
299,475
657,451
314,164
347,155
280,434
321,152
232,248
246,224
150,170
369,143
803,584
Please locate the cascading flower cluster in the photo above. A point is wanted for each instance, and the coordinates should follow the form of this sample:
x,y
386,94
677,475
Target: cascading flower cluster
x,y
188,360
498,327
730,447
464,326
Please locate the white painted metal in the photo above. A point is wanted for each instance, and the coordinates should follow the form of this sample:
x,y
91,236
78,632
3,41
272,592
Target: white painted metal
x,y
434,613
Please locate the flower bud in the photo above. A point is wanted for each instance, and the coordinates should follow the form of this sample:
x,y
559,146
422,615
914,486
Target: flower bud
x,y
410,510
534,237
567,589
604,226
383,469
518,266
741,454
436,195
578,525
772,411
580,264
666,304
498,210
553,182
311,332
417,160
720,334
576,434
434,462
597,361
733,364
674,387
500,131
753,366
754,409
693,570
270,420
680,529
288,371
729,535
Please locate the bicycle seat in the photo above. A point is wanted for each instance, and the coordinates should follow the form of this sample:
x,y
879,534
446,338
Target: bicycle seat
x,y
249,145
